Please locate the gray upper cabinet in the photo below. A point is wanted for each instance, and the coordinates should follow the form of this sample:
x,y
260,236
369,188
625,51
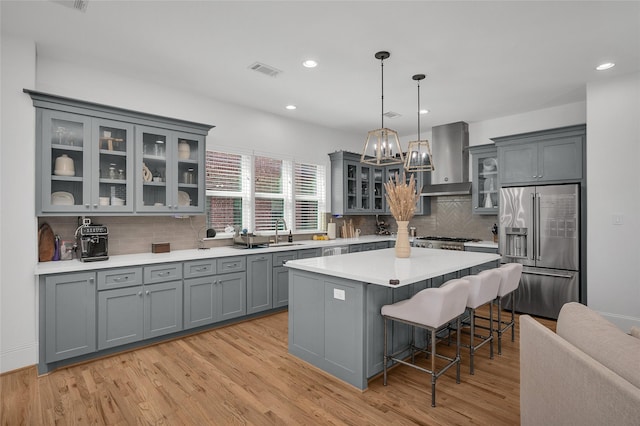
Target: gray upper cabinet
x,y
358,188
550,156
484,195
259,283
98,159
70,313
423,207
172,171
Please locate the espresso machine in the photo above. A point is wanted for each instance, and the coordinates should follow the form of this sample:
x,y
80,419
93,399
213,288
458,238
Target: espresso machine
x,y
92,241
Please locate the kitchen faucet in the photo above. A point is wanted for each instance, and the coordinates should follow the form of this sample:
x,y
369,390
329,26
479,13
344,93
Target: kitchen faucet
x,y
285,227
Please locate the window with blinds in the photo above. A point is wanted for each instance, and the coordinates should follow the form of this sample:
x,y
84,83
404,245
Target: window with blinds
x,y
259,193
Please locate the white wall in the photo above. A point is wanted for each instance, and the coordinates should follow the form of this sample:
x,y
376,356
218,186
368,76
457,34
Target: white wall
x,y
613,158
18,252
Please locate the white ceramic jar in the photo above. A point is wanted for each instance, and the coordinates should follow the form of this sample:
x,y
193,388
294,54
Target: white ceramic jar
x,y
64,166
184,150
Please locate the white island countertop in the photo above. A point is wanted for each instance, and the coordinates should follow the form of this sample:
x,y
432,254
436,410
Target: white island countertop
x,y
380,266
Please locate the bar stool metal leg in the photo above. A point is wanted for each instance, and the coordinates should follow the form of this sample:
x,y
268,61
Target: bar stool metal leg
x,y
385,358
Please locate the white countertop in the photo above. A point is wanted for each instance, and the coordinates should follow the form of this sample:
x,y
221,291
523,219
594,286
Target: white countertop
x,y
380,266
482,244
125,260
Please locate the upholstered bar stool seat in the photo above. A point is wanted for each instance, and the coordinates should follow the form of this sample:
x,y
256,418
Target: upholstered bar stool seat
x,y
429,309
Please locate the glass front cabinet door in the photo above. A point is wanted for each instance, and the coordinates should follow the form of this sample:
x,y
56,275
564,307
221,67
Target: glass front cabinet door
x,y
85,164
485,179
170,178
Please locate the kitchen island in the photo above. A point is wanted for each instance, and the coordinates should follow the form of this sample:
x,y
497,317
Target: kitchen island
x,y
334,304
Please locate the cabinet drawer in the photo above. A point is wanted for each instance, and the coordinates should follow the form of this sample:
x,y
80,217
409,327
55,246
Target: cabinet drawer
x,y
281,258
231,264
162,272
199,268
118,278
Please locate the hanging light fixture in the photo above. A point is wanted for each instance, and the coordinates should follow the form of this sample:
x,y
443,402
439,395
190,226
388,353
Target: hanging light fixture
x,y
382,146
419,157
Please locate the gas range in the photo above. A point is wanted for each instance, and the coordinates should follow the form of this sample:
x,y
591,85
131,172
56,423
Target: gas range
x,y
443,243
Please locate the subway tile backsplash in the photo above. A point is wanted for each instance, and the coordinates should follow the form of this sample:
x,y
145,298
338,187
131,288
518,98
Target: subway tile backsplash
x,y
451,216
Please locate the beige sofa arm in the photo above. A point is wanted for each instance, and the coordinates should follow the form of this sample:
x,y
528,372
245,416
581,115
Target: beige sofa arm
x,y
560,385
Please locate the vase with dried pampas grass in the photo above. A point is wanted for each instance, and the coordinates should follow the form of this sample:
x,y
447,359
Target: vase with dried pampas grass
x,y
402,198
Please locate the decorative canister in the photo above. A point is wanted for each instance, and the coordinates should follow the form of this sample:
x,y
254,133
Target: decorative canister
x,y
64,166
184,150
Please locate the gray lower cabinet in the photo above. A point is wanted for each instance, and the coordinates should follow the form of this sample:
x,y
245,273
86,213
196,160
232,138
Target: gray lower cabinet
x,y
309,253
281,277
489,265
133,308
259,283
70,312
214,298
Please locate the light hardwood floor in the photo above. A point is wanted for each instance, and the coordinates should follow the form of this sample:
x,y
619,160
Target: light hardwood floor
x,y
243,374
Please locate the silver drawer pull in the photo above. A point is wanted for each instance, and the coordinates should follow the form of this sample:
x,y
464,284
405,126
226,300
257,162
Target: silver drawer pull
x,y
232,265
202,268
140,293
118,279
164,274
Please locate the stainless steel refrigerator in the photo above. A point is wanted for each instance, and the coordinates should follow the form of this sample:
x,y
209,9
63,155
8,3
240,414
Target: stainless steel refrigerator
x,y
540,228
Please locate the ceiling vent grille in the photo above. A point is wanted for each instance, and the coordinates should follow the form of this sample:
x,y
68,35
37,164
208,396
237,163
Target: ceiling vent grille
x,y
392,114
80,5
264,69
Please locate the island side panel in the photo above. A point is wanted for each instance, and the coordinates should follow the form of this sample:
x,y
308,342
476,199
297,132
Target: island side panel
x,y
325,330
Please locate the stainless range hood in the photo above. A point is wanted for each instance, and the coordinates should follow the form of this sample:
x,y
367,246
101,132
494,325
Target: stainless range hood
x,y
450,150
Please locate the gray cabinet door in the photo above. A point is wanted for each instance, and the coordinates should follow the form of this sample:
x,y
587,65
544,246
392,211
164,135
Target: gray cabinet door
x,y
560,159
484,194
309,253
70,314
259,283
231,295
518,164
281,278
199,301
120,316
162,308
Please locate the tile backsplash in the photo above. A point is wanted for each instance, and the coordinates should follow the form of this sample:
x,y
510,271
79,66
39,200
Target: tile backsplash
x,y
451,216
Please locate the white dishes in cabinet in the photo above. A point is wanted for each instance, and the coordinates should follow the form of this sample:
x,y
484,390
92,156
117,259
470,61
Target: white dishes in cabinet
x,y
183,199
62,198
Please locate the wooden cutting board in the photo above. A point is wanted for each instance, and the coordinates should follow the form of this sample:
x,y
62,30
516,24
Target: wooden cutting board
x,y
46,243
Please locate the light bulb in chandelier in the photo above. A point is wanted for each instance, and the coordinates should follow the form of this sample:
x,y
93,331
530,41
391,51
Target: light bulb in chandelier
x,y
419,158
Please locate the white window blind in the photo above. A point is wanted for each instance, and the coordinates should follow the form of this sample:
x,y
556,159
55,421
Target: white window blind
x,y
255,191
309,194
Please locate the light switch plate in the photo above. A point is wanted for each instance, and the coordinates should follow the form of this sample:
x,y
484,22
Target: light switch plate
x,y
338,294
617,219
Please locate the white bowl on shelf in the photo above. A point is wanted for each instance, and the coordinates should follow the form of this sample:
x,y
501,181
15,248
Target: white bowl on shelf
x,y
104,201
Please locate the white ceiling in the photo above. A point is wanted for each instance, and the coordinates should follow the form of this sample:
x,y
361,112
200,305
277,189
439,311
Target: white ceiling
x,y
483,59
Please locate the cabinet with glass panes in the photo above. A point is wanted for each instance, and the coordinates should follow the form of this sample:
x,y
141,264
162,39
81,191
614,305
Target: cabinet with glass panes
x,y
97,159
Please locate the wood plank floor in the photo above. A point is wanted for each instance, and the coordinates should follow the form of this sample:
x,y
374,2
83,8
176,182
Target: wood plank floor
x,y
243,374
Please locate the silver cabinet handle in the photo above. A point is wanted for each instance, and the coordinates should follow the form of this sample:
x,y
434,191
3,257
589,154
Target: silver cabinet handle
x,y
87,205
140,293
91,279
202,268
95,206
164,274
146,292
119,279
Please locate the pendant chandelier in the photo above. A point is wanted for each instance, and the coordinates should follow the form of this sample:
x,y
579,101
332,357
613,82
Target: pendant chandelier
x,y
419,157
382,146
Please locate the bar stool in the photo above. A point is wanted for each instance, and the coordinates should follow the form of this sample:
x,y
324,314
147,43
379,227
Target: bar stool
x,y
511,273
429,309
483,289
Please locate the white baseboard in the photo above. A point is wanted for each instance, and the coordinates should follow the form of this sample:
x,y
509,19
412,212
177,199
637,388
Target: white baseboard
x,y
18,357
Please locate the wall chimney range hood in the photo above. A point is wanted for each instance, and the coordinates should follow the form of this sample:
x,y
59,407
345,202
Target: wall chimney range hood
x,y
450,150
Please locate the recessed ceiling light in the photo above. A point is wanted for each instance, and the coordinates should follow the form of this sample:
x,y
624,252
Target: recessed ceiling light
x,y
605,66
424,111
291,107
310,63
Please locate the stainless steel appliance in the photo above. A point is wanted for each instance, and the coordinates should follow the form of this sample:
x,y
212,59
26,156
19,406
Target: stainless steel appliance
x,y
443,243
93,241
540,228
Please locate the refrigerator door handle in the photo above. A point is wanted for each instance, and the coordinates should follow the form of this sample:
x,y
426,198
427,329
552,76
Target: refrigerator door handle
x,y
537,215
548,274
534,233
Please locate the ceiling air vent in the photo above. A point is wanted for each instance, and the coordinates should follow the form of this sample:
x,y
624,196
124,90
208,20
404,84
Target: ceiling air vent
x,y
80,5
265,69
392,114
